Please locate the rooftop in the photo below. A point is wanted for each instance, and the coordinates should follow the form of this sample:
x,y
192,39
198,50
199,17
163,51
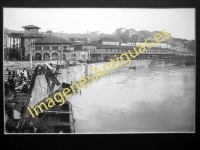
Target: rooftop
x,y
31,26
120,28
15,35
52,40
49,31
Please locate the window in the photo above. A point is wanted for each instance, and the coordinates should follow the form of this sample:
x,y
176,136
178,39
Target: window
x,y
54,47
38,48
46,48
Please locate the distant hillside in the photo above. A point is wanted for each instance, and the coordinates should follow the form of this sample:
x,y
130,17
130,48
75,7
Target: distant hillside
x,y
141,36
10,31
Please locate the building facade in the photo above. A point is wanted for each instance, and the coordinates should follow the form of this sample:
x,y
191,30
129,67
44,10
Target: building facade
x,y
109,51
12,40
51,48
120,31
154,44
130,32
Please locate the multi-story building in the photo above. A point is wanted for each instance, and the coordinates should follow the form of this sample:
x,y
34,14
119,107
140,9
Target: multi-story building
x,y
110,43
154,44
111,50
12,40
46,47
130,32
120,31
52,48
5,41
128,44
28,38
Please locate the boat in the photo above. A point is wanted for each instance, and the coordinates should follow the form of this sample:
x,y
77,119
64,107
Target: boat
x,y
132,68
176,65
188,64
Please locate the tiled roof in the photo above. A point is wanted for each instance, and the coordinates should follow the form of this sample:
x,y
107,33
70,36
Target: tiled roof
x,y
114,47
31,26
52,40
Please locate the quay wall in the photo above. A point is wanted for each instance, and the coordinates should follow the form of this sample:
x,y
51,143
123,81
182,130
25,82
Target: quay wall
x,y
75,73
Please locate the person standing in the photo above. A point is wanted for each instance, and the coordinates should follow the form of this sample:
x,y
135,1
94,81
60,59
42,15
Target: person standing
x,y
25,73
12,85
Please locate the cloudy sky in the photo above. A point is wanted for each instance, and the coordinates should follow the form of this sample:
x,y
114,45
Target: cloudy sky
x,y
179,22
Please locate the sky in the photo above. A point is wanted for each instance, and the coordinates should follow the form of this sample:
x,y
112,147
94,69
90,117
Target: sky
x,y
180,22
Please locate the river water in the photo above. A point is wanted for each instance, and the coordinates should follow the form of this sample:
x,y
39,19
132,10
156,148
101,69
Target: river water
x,y
156,99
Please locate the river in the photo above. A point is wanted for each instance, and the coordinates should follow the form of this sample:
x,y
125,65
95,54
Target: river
x,y
145,100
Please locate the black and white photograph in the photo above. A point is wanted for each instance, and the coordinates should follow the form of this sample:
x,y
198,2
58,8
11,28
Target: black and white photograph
x,y
99,70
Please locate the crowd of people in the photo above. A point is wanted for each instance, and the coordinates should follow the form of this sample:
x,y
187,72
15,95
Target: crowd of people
x,y
16,78
20,78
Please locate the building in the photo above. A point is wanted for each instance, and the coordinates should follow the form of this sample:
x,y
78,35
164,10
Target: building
x,y
28,38
109,51
52,48
45,47
120,31
81,40
128,44
107,41
12,40
49,33
154,44
110,43
83,50
130,32
5,41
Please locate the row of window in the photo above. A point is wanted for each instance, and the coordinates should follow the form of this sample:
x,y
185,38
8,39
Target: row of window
x,y
52,47
148,51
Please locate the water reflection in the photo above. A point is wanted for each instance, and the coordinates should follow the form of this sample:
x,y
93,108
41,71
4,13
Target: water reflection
x,y
160,99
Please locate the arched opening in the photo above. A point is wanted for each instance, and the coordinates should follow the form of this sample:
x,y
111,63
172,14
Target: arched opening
x,y
73,57
28,57
64,57
55,56
46,56
38,56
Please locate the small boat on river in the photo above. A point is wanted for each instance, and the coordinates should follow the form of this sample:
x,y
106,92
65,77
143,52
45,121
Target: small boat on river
x,y
132,68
